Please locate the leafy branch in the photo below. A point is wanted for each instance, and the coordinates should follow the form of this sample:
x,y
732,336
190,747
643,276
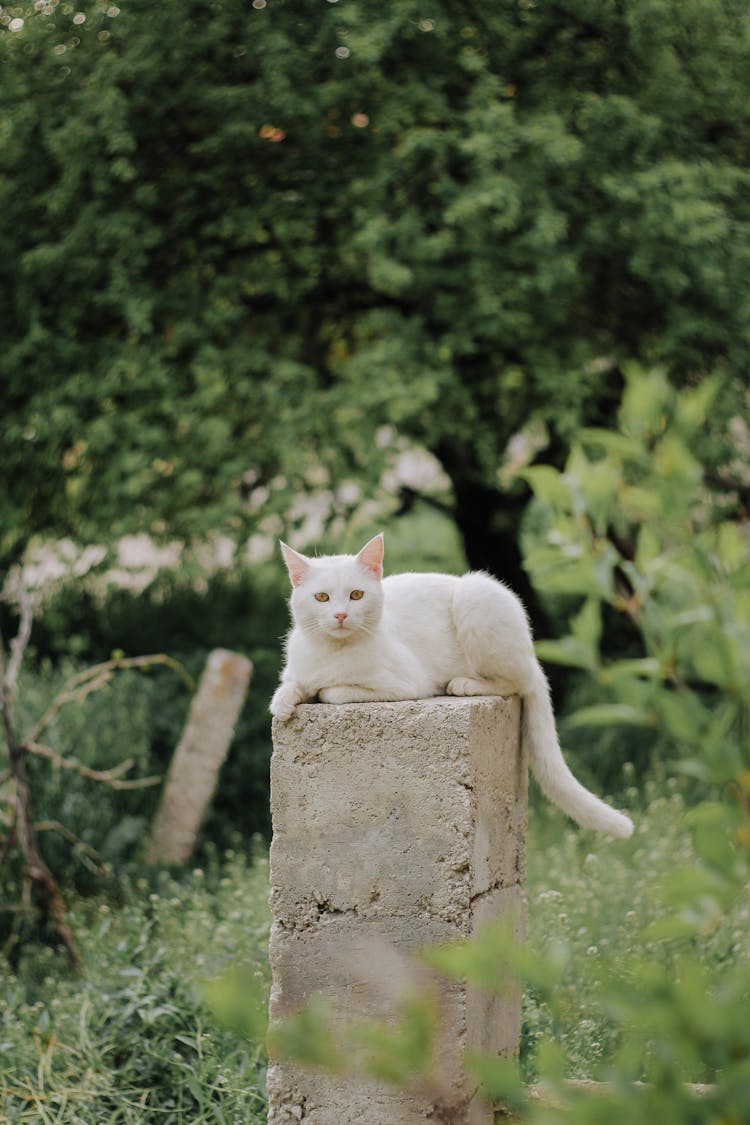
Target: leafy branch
x,y
40,894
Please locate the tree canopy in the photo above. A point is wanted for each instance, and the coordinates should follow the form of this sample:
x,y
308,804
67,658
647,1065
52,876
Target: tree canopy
x,y
236,239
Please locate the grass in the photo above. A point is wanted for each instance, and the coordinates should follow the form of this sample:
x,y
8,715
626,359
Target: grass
x,y
599,906
134,1039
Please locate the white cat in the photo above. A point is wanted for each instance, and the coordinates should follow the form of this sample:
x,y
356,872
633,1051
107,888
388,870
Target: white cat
x,y
358,637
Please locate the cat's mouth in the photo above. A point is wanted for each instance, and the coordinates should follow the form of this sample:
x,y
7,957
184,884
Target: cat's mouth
x,y
340,629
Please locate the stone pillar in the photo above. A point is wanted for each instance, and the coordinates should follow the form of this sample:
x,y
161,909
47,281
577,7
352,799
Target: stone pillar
x,y
396,826
195,765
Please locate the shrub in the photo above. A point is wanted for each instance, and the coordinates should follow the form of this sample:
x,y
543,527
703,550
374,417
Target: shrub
x,y
633,527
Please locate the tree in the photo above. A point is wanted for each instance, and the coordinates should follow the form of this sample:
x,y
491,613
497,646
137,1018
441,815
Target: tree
x,y
236,241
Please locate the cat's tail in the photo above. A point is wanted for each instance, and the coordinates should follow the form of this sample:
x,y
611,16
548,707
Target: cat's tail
x,y
551,771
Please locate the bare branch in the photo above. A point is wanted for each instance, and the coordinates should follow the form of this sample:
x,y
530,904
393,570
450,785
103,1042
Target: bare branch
x,y
56,826
108,777
40,893
94,678
35,871
408,496
6,710
8,842
20,641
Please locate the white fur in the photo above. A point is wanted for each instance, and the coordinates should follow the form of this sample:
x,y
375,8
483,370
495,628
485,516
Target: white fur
x,y
411,636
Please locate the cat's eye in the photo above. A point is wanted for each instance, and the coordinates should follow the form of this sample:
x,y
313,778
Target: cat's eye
x,y
356,595
321,597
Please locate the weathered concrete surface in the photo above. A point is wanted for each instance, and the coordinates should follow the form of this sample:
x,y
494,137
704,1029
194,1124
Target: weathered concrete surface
x,y
396,826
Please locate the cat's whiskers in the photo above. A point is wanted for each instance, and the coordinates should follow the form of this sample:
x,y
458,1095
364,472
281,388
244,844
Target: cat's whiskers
x,y
311,628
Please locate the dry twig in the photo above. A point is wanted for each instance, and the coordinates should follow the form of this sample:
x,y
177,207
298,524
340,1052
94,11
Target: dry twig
x,y
112,777
21,830
97,864
97,676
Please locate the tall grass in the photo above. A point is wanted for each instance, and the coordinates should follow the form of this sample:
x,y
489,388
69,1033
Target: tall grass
x,y
132,1038
136,1037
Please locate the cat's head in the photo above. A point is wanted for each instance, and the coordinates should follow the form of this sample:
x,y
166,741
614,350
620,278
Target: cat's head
x,y
338,597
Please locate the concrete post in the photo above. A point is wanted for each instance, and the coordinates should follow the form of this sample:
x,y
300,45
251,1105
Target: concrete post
x,y
396,826
194,769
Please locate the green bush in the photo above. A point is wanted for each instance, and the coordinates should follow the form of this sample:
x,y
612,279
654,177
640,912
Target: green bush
x,y
599,910
635,529
203,311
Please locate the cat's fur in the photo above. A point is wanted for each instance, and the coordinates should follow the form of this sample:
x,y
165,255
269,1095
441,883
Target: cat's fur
x,y
411,636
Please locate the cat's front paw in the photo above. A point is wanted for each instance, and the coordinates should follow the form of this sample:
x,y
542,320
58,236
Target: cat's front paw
x,y
285,699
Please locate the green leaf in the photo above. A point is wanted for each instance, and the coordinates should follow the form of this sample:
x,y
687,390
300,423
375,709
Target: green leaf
x,y
731,546
623,446
693,406
552,1061
670,929
586,627
400,1054
495,958
645,400
238,998
306,1037
548,485
609,714
499,1078
675,464
683,714
649,545
690,885
595,486
568,651
646,667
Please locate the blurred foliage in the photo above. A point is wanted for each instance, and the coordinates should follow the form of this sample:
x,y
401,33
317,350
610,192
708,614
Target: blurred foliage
x,y
634,525
237,240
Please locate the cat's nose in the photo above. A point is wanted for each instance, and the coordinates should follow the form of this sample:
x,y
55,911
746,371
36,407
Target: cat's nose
x,y
341,616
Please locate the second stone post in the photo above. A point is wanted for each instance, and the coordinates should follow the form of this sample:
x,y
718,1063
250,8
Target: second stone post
x,y
396,826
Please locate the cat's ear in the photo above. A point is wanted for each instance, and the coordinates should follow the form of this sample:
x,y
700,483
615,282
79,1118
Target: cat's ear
x,y
296,564
371,555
